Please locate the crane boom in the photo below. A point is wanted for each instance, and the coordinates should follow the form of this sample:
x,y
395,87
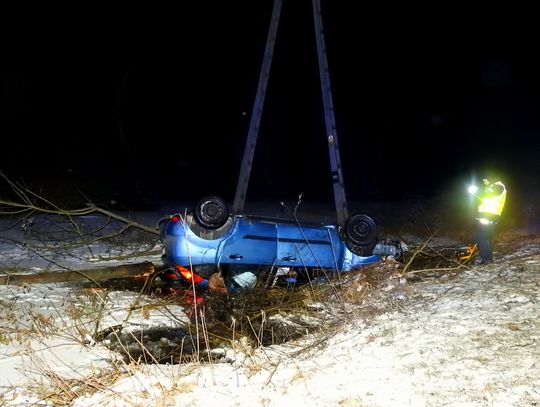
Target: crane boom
x,y
331,131
253,131
330,120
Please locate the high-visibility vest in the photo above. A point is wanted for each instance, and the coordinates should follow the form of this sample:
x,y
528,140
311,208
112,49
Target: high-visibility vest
x,y
490,203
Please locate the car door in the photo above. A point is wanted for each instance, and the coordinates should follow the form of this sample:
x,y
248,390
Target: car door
x,y
252,242
307,246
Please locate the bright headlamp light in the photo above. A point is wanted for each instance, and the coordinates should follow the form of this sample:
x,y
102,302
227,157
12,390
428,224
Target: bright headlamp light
x,y
473,189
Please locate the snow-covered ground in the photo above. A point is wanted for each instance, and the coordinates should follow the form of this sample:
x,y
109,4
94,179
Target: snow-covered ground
x,y
466,337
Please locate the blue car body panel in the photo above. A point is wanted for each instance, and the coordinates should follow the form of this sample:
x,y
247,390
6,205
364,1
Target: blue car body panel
x,y
254,241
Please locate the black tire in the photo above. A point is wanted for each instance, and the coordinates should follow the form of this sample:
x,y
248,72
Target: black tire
x,y
211,212
361,234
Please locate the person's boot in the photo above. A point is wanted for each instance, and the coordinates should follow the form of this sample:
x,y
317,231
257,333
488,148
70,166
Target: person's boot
x,y
486,261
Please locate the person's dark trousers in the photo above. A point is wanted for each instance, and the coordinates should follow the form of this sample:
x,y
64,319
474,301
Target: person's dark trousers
x,y
484,239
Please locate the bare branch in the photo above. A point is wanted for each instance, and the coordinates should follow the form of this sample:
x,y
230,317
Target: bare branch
x,y
420,250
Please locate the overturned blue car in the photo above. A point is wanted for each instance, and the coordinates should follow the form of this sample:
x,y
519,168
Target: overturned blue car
x,y
209,239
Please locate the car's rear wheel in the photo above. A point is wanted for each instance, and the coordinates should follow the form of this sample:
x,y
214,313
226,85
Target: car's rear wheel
x,y
211,212
361,234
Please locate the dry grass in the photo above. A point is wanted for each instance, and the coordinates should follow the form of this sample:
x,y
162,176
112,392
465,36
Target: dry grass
x,y
62,392
259,318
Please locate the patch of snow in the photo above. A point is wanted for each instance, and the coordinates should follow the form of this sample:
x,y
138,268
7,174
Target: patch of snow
x,y
469,339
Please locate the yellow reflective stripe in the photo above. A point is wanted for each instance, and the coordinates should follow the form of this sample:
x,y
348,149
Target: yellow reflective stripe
x,y
493,205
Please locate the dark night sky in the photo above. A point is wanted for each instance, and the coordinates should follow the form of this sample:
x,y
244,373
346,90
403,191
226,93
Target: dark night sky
x,y
147,105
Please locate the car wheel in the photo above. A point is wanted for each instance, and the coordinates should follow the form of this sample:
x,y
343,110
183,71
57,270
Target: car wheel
x,y
211,212
361,234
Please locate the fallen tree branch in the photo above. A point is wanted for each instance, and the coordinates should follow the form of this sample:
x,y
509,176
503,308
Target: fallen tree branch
x,y
409,273
27,206
420,250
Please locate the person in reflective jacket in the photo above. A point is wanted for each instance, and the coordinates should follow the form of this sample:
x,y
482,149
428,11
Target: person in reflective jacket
x,y
490,199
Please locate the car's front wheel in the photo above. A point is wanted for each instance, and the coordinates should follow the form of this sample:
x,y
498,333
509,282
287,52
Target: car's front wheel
x,y
211,212
361,234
